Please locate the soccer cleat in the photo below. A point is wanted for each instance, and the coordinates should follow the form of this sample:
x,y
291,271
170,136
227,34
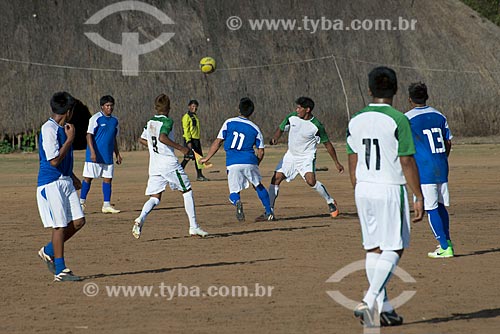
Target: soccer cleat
x,y
440,253
66,276
265,217
388,319
240,215
197,232
109,209
334,209
364,314
202,178
48,260
137,228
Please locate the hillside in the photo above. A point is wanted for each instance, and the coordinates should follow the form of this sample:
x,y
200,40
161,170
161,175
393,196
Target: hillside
x,y
44,49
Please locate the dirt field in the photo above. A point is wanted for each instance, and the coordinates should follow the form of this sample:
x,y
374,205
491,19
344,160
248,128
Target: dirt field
x,y
293,256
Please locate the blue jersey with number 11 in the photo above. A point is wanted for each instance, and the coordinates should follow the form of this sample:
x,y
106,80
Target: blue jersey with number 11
x,y
240,135
430,132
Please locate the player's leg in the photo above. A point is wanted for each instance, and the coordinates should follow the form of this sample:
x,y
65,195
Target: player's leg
x,y
432,197
197,148
274,187
236,182
90,170
443,202
310,178
186,159
107,183
155,188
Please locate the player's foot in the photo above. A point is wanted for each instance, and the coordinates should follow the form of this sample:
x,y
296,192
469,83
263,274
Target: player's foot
x,y
334,209
240,215
364,314
66,276
449,244
137,228
202,178
197,232
440,253
109,209
390,319
265,217
48,260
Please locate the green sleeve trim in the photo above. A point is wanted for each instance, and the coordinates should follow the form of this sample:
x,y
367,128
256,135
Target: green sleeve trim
x,y
167,126
286,120
323,136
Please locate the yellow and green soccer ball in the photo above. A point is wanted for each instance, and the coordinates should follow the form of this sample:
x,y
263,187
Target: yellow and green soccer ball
x,y
207,65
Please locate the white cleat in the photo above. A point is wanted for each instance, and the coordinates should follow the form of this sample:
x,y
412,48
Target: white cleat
x,y
197,232
137,228
109,209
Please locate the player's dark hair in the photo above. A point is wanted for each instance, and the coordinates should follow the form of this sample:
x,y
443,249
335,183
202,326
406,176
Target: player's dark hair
x,y
105,99
305,102
383,82
162,103
418,92
246,107
61,102
193,102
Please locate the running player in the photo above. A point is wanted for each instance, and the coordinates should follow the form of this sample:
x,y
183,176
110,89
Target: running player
x,y
101,143
164,168
380,150
57,184
432,139
306,132
240,136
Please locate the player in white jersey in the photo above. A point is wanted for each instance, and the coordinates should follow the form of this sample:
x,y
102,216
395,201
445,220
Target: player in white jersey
x,y
164,167
240,136
380,150
305,133
57,184
432,138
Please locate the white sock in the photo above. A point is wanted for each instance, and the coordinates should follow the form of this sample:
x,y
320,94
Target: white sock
x,y
190,209
384,267
383,304
320,188
148,207
82,201
273,194
106,204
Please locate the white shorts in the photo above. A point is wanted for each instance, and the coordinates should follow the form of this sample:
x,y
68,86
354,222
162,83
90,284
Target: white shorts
x,y
58,203
95,170
176,179
384,215
291,166
434,194
240,176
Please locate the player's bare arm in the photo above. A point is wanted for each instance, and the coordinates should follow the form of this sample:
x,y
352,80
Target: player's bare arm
x,y
69,129
213,149
165,140
333,155
260,155
76,182
90,145
410,171
352,162
447,145
143,141
276,137
117,153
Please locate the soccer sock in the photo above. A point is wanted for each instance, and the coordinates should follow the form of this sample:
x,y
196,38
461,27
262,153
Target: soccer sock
x,y
320,188
386,263
84,191
445,218
234,197
437,227
264,197
106,191
49,249
382,301
148,207
60,265
273,194
190,209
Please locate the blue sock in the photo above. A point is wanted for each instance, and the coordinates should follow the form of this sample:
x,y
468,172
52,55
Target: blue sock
x,y
234,197
443,213
49,250
85,190
264,197
106,191
60,265
437,227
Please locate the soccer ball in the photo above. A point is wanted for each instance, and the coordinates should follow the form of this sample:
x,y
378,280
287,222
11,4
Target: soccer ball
x,y
207,65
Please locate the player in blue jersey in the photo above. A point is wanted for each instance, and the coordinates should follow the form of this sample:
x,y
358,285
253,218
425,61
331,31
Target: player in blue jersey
x,y
432,139
240,136
101,144
305,133
57,184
